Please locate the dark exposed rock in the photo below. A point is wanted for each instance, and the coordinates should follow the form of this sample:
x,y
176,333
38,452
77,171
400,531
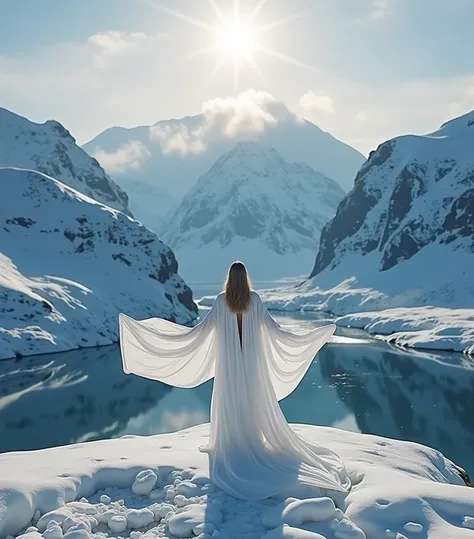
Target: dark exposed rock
x,y
121,257
21,221
460,220
186,298
409,185
247,220
349,218
405,201
403,247
376,159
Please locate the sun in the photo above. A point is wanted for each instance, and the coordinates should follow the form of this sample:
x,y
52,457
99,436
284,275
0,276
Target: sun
x,y
237,38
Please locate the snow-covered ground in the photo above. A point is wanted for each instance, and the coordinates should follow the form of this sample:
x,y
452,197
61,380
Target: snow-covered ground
x,y
158,486
439,328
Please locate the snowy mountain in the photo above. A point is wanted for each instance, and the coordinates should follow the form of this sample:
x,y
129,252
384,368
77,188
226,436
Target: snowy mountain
x,y
69,265
173,154
407,226
50,149
255,206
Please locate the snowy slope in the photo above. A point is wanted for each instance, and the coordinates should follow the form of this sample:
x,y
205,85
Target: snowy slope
x,y
49,148
69,265
407,227
149,203
255,206
173,154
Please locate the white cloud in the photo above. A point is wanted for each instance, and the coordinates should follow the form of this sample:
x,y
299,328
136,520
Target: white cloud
x,y
380,9
110,43
131,156
249,113
320,103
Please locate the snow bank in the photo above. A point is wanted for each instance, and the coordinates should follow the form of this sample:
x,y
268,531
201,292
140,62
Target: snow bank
x,y
397,319
85,491
424,327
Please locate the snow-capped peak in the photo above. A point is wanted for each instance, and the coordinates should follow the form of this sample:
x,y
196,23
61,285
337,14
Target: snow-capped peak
x,y
254,205
49,148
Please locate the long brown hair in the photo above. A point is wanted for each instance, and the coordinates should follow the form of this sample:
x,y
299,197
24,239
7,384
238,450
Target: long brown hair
x,y
237,288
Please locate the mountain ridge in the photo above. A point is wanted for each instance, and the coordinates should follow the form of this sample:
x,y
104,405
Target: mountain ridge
x,y
252,205
50,148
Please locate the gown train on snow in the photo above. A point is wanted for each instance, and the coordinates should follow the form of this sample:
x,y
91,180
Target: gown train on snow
x,y
253,452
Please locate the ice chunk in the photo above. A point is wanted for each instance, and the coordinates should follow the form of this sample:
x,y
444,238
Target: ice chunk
x,y
144,483
162,509
53,531
204,527
30,535
58,515
182,524
413,527
288,532
468,522
298,512
346,529
83,507
105,499
272,516
77,534
188,489
117,523
139,518
79,522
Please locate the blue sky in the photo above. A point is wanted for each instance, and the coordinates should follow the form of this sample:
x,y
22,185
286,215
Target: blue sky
x,y
364,70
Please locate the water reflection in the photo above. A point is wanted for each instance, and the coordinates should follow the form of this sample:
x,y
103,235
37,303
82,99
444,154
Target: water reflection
x,y
80,395
422,397
357,385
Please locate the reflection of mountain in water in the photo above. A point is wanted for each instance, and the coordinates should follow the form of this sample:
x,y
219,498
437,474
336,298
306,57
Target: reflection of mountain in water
x,y
413,396
63,398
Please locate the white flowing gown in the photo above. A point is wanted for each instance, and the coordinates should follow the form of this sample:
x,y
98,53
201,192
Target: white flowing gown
x,y
253,452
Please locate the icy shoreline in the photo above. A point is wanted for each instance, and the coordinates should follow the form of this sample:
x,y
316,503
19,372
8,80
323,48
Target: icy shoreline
x,y
425,328
159,486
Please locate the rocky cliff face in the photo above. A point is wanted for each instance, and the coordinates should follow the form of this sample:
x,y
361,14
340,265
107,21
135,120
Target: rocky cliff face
x,y
413,200
252,205
69,265
49,148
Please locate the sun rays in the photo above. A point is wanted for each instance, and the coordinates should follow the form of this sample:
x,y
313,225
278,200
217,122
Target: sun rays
x,y
235,38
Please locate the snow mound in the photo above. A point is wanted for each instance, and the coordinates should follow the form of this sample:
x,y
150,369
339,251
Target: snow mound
x,y
69,265
400,489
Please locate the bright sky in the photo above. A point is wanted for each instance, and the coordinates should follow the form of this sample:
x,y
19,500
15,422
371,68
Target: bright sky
x,y
364,70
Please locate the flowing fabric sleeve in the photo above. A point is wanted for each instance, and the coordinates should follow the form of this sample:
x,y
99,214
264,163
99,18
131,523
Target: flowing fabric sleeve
x,y
289,355
173,354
